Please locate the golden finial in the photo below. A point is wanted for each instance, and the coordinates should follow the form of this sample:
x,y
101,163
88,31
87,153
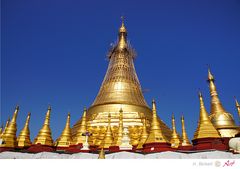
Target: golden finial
x,y
175,141
221,119
118,138
1,130
24,136
156,134
205,127
101,154
237,106
80,138
108,138
4,130
122,29
9,135
144,135
210,76
66,137
185,140
44,136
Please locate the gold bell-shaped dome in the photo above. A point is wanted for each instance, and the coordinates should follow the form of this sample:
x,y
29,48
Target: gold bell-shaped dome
x,y
24,136
156,133
205,127
9,136
221,119
44,136
65,139
175,140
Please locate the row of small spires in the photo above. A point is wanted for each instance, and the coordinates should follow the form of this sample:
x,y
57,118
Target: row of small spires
x,y
205,129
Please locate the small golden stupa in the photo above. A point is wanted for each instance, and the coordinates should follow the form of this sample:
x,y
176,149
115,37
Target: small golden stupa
x,y
144,135
24,136
101,154
44,136
238,108
65,139
221,119
4,130
185,141
108,138
119,134
156,133
205,127
80,137
175,140
9,136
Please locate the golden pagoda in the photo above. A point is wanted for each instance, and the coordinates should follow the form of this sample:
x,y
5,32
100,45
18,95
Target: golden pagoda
x,y
4,130
144,135
185,141
119,135
44,136
221,119
1,131
120,89
156,133
175,141
9,136
101,154
24,136
205,127
65,139
108,138
80,137
238,108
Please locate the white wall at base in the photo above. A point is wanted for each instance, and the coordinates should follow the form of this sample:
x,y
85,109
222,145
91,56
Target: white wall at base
x,y
122,155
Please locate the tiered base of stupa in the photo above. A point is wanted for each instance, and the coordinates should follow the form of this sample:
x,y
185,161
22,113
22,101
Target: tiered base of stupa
x,y
2,149
210,144
37,148
156,147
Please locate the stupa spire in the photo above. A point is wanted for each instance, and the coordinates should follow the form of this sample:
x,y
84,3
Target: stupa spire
x,y
108,138
155,135
118,140
4,130
144,135
44,136
101,154
9,135
238,107
66,137
1,130
80,136
205,127
221,119
24,136
185,140
175,141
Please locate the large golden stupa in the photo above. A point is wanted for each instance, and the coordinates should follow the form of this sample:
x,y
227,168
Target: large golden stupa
x,y
120,89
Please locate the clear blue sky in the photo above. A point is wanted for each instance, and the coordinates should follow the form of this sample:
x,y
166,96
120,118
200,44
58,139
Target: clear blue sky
x,y
54,52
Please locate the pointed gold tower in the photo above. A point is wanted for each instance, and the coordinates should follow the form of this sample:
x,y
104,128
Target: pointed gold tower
x,y
108,138
120,89
238,108
156,133
1,131
4,130
185,140
44,136
205,127
9,135
175,141
221,119
65,139
24,136
101,154
118,138
144,135
79,137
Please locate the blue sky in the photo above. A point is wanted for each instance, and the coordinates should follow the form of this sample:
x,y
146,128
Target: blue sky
x,y
54,52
